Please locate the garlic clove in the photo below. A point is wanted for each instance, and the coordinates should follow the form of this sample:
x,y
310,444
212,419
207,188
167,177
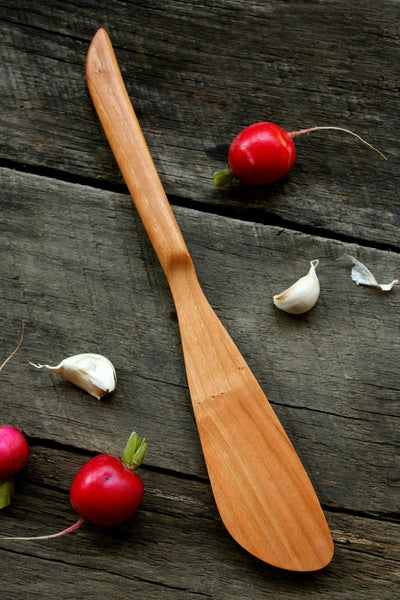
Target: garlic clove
x,y
93,373
361,275
302,295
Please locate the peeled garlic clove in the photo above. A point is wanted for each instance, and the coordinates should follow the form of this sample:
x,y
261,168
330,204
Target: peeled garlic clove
x,y
93,373
302,295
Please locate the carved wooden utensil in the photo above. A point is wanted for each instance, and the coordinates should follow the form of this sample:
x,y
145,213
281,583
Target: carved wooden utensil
x,y
261,489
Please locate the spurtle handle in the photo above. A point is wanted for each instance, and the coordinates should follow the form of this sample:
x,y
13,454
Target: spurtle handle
x,y
131,152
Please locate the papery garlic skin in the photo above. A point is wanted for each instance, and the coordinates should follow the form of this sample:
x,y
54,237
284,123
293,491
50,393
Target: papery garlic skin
x,y
361,275
93,373
302,295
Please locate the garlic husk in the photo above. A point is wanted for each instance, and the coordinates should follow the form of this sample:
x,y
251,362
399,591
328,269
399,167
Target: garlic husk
x,y
302,295
93,373
361,275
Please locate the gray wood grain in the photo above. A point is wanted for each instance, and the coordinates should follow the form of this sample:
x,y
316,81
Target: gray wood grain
x,y
174,547
83,277
78,269
196,77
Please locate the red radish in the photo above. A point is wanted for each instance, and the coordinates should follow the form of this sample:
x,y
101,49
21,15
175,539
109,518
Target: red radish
x,y
14,454
264,152
109,497
106,490
14,450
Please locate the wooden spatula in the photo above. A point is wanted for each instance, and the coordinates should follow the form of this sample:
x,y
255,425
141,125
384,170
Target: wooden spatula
x,y
261,489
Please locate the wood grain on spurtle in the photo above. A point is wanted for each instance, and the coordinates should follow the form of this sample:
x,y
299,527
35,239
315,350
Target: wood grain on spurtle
x,y
263,493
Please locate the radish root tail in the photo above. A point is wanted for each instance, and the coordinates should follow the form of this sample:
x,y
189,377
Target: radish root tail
x,y
69,529
310,129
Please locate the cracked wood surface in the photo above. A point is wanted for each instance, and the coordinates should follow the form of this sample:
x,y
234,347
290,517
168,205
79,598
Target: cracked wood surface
x,y
77,267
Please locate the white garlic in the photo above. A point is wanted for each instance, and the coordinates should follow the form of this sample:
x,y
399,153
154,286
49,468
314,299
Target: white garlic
x,y
361,275
302,295
93,373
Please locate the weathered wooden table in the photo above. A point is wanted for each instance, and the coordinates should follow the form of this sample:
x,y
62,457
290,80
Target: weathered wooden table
x,y
78,269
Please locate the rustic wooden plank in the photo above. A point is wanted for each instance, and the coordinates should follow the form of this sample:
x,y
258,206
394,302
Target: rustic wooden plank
x,y
77,267
197,77
174,547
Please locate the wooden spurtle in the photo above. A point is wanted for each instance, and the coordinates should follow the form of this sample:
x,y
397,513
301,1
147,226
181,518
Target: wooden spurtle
x,y
261,488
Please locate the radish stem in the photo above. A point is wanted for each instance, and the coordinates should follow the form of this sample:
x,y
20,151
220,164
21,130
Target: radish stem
x,y
310,129
69,529
134,451
222,177
6,492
